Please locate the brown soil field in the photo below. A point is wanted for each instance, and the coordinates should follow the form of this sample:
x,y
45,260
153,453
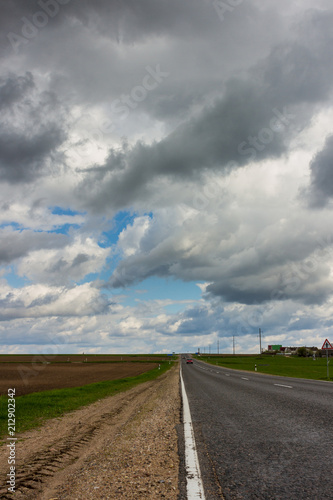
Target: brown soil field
x,y
122,447
36,377
73,358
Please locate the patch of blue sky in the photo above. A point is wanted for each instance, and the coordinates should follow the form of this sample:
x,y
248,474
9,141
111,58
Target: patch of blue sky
x,y
14,225
119,222
16,281
64,228
65,211
89,278
105,273
155,288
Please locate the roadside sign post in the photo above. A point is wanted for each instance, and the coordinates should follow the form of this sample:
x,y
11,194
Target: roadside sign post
x,y
327,346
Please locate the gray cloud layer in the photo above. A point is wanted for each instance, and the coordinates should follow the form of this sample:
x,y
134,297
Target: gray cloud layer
x,y
15,245
321,188
146,106
30,132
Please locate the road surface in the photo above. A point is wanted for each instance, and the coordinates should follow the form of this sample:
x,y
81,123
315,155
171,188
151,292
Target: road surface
x,y
260,436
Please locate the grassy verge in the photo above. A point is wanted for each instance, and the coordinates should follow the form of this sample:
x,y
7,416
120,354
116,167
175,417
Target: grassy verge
x,y
292,366
33,409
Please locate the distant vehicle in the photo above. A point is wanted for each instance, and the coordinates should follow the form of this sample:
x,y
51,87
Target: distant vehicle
x,y
189,360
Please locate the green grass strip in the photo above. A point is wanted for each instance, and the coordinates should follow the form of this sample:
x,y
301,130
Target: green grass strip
x,y
292,366
32,410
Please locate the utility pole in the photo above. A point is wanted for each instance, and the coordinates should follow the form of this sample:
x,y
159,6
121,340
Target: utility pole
x,y
218,347
260,339
233,345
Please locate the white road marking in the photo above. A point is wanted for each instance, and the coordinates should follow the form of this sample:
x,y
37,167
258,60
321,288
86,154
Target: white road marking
x,y
227,374
193,476
244,378
282,385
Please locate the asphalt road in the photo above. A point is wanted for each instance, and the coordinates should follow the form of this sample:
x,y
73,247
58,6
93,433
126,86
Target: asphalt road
x,y
260,436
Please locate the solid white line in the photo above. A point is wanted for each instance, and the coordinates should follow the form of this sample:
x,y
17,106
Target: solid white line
x,y
193,476
281,385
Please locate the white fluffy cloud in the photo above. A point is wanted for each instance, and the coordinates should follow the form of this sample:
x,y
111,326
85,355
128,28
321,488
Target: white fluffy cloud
x,y
68,264
36,301
210,131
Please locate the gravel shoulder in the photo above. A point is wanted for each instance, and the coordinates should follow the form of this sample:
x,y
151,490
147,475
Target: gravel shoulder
x,y
124,446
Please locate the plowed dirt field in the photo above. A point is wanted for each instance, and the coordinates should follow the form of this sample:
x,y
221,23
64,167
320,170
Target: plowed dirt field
x,y
121,447
35,376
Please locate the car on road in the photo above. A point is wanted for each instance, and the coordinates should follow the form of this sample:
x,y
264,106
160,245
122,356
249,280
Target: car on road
x,y
189,360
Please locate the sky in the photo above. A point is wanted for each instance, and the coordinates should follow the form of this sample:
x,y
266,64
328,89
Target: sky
x,y
166,180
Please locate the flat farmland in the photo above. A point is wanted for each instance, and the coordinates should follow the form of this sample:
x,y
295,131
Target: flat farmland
x,y
80,358
28,374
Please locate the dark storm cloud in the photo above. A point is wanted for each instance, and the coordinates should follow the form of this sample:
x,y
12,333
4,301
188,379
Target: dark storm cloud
x,y
198,321
42,301
20,21
305,323
130,20
81,258
10,299
62,265
125,21
31,129
15,244
22,158
14,89
321,187
296,74
263,261
136,269
315,289
255,119
233,293
241,127
237,92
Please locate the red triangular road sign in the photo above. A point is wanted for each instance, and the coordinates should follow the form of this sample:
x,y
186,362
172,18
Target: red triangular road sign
x,y
327,345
